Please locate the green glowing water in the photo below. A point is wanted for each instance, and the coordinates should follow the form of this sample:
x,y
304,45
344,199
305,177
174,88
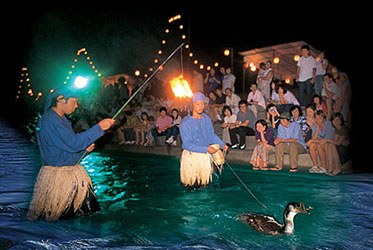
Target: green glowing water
x,y
143,203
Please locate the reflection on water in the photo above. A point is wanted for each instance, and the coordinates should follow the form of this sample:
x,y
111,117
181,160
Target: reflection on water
x,y
145,207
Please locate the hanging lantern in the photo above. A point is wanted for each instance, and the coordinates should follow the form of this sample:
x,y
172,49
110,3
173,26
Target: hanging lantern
x,y
296,58
276,60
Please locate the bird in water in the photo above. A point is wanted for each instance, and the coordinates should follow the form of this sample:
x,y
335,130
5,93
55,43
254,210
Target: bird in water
x,y
269,225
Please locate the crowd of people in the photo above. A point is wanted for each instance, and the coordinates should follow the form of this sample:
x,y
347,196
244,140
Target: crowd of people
x,y
317,122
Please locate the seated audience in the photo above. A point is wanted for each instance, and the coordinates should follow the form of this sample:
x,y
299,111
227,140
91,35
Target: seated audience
x,y
256,101
265,143
229,121
339,151
232,100
176,120
286,99
322,132
245,125
289,140
163,126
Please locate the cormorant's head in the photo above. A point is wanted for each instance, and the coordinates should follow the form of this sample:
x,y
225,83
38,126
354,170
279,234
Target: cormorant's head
x,y
295,208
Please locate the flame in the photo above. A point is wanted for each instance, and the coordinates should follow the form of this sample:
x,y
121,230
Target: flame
x,y
181,87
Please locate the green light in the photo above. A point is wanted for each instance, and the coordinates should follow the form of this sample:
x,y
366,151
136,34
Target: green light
x,y
80,82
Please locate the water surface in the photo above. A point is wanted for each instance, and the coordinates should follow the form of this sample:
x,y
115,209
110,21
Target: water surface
x,y
144,206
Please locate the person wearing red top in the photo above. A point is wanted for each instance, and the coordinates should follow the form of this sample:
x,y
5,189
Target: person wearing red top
x,y
163,126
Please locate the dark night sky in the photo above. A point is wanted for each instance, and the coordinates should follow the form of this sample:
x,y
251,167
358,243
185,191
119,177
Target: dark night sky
x,y
122,39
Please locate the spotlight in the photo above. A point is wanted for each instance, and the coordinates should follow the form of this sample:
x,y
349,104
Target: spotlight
x,y
80,82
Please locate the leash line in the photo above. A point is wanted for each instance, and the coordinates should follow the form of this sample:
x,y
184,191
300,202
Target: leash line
x,y
248,190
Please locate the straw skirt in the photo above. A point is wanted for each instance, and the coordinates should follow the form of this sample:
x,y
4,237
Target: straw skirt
x,y
195,169
61,192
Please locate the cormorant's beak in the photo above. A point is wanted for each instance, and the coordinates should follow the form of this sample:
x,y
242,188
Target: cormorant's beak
x,y
302,209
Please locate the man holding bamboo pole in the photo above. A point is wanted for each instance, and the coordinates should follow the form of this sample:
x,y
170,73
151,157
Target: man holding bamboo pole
x,y
63,188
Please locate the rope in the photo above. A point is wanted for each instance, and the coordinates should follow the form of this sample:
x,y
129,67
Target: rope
x,y
247,189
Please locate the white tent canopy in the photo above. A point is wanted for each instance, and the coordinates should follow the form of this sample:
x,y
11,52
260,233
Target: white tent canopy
x,y
287,66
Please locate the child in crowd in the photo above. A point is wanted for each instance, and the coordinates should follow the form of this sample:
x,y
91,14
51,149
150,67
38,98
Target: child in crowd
x,y
140,130
148,135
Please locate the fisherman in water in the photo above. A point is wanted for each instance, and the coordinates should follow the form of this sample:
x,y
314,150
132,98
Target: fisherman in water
x,y
197,134
63,188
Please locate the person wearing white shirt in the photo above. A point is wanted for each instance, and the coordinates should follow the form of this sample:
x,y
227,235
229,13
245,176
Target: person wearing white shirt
x,y
256,100
232,100
306,71
330,93
265,81
286,99
229,122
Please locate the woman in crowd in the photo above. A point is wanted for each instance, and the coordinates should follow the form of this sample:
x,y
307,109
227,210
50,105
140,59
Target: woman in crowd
x,y
339,149
273,118
229,121
287,99
319,104
322,133
265,143
175,127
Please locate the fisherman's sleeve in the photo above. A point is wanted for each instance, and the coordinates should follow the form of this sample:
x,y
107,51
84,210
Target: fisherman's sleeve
x,y
186,133
213,138
64,137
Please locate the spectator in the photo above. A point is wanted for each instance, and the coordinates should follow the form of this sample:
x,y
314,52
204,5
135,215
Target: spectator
x,y
162,126
232,100
220,97
321,67
212,81
329,93
175,127
339,149
141,129
229,80
289,140
265,143
139,110
262,68
212,110
287,99
322,132
148,135
198,81
319,104
266,80
245,125
310,120
229,121
128,129
256,101
273,117
274,95
343,100
297,116
306,71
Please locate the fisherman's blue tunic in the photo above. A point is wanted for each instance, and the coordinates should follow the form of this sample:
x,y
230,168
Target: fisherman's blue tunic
x,y
198,134
58,144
